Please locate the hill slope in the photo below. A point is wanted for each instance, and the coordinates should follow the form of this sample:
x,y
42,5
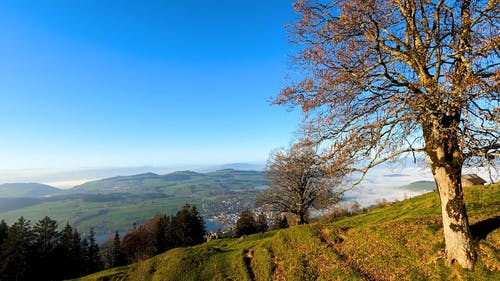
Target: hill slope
x,y
31,190
115,203
402,241
185,183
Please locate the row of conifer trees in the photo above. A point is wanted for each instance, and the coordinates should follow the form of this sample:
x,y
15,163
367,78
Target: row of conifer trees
x,y
155,236
44,252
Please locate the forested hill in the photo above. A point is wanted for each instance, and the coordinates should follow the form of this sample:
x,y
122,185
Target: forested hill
x,y
399,241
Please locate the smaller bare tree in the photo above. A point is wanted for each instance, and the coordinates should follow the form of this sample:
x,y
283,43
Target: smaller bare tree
x,y
299,182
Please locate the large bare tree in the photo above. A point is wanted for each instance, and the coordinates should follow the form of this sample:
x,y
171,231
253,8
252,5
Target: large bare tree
x,y
387,78
299,182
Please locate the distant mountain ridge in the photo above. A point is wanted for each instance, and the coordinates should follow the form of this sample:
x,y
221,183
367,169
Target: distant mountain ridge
x,y
172,183
30,190
420,186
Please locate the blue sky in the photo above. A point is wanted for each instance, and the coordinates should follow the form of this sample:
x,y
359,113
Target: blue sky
x,y
128,83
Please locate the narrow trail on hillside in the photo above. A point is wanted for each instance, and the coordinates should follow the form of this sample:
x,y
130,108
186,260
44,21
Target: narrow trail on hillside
x,y
334,246
247,259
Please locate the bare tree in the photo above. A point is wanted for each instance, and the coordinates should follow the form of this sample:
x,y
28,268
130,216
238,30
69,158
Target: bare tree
x,y
388,78
298,182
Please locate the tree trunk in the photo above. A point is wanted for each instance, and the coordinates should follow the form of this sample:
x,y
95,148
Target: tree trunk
x,y
457,235
446,161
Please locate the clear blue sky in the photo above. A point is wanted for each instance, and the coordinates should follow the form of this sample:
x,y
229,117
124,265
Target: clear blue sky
x,y
126,83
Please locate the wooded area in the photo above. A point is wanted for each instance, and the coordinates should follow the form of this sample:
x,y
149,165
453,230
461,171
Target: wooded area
x,y
43,252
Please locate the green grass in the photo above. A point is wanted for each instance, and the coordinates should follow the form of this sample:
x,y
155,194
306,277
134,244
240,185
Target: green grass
x,y
401,241
105,217
183,183
30,190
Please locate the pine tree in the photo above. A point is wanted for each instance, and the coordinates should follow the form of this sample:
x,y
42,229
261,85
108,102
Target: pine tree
x,y
70,264
46,244
16,260
78,252
246,224
197,226
4,230
161,243
189,226
171,238
66,262
118,259
46,235
94,259
85,258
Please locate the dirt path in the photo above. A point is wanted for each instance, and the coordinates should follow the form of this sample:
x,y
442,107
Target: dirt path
x,y
335,247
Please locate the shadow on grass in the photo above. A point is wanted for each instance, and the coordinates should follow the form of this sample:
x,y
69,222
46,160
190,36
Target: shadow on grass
x,y
481,229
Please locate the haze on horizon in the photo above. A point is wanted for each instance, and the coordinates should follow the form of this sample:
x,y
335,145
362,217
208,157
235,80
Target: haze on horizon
x,y
68,178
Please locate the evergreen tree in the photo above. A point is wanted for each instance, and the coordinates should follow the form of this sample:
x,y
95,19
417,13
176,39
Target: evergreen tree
x,y
70,260
94,259
67,237
85,258
66,252
46,236
171,238
246,224
17,257
197,227
78,254
118,259
162,225
189,226
4,230
46,245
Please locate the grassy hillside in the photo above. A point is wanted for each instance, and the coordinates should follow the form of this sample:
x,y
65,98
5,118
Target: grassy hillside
x,y
30,190
401,241
182,183
104,216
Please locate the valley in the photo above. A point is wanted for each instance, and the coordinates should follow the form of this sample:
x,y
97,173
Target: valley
x,y
115,203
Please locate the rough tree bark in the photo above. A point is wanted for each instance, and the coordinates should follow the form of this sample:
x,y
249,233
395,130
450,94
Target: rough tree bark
x,y
446,159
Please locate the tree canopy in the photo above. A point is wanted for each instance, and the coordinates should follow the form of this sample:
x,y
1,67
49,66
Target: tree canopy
x,y
384,79
246,224
298,182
